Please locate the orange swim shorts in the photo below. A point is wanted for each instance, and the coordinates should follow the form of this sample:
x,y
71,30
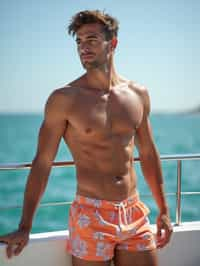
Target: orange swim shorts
x,y
97,227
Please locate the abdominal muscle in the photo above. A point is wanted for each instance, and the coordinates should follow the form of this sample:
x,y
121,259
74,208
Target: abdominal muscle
x,y
107,187
104,171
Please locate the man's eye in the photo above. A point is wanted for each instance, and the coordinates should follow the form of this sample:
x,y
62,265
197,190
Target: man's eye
x,y
92,41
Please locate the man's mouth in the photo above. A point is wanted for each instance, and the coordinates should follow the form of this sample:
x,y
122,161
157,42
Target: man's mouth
x,y
87,56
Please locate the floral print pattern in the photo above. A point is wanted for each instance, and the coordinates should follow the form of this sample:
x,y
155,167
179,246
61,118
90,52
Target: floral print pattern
x,y
97,227
83,221
79,247
98,235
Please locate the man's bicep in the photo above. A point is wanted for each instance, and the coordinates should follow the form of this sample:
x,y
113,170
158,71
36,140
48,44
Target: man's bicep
x,y
144,136
48,141
51,131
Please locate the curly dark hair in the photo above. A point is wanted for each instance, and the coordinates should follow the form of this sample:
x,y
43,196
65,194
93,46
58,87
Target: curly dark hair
x,y
110,24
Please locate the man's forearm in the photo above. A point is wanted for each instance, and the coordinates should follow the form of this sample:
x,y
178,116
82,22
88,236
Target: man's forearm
x,y
151,167
36,184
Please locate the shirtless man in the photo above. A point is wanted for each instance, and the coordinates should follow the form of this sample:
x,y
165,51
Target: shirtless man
x,y
101,116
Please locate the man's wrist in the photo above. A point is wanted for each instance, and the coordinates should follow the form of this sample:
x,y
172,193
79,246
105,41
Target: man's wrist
x,y
164,211
24,227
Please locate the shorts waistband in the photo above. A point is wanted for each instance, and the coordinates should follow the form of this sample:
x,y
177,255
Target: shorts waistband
x,y
98,203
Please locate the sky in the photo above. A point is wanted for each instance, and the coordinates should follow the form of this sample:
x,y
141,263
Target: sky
x,y
159,47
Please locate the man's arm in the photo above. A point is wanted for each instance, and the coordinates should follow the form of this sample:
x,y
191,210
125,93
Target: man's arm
x,y
151,168
50,134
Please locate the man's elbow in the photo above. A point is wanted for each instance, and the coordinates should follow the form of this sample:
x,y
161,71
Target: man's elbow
x,y
42,160
41,166
148,153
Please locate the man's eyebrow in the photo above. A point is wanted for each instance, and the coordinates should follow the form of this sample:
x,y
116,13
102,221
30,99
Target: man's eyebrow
x,y
92,35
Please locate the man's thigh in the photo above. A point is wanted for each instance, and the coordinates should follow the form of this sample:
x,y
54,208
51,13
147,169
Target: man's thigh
x,y
136,258
79,262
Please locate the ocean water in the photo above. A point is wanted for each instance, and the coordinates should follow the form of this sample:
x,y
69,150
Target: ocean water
x,y
173,134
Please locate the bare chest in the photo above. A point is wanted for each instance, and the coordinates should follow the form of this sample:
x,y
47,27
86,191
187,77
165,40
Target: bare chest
x,y
116,112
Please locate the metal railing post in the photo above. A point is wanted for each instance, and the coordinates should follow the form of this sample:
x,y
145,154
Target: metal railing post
x,y
178,193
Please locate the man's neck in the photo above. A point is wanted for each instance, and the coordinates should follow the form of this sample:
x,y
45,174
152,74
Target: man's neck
x,y
103,78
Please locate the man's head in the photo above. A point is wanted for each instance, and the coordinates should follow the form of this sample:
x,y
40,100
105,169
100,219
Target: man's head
x,y
96,36
109,24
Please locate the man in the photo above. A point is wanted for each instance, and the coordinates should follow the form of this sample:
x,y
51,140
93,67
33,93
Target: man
x,y
101,116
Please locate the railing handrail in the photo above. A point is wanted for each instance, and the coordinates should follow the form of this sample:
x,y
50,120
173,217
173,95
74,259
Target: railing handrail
x,y
169,157
175,157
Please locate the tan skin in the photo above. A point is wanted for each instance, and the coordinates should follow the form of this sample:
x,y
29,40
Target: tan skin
x,y
101,117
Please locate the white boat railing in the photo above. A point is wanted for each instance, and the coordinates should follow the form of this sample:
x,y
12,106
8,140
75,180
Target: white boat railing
x,y
175,157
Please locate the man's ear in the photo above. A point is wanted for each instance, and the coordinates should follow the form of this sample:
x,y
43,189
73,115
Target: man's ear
x,y
114,42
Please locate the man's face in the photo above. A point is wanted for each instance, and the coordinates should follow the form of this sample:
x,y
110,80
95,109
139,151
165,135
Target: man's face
x,y
93,49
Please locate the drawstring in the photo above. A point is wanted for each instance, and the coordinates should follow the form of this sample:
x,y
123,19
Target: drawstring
x,y
122,212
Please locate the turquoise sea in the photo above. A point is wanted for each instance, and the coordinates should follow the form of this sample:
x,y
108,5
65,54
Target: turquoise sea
x,y
173,133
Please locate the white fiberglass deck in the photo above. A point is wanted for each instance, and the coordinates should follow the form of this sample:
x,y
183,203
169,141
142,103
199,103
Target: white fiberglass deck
x,y
48,249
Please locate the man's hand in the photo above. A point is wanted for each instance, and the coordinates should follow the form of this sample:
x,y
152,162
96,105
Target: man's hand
x,y
164,230
15,241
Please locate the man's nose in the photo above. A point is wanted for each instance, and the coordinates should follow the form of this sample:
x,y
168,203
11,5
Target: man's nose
x,y
84,47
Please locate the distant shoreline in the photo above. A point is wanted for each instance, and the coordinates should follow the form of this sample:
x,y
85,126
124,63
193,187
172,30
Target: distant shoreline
x,y
194,111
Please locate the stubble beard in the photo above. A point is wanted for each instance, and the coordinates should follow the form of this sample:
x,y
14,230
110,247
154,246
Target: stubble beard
x,y
96,65
91,65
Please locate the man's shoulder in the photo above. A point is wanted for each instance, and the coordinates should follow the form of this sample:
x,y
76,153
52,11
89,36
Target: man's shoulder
x,y
138,88
60,100
63,98
142,92
65,93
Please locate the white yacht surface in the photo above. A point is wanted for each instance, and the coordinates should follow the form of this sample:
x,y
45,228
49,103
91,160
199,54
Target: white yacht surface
x,y
48,249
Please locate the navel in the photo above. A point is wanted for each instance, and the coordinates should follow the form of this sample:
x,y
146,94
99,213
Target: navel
x,y
118,179
88,130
